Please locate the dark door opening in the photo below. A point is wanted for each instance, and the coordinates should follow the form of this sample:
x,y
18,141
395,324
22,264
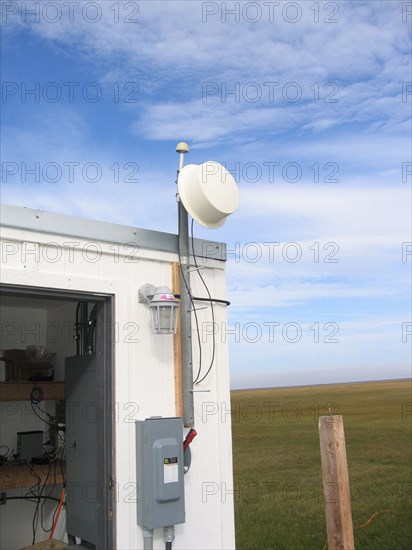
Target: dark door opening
x,y
47,318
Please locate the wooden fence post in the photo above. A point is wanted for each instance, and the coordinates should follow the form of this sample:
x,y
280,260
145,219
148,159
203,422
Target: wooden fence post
x,y
336,483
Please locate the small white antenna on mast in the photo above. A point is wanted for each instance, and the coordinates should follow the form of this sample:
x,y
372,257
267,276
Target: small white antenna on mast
x,y
182,148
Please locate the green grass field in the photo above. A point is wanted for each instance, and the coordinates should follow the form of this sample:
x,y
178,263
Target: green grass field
x,y
279,502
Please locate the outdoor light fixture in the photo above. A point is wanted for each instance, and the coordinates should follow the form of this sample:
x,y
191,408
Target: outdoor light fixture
x,y
163,307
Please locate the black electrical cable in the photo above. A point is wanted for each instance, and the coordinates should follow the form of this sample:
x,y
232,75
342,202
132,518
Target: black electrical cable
x,y
199,299
194,311
76,332
57,457
35,402
36,395
45,497
91,329
37,512
85,328
52,487
38,416
192,301
30,494
40,512
197,381
37,500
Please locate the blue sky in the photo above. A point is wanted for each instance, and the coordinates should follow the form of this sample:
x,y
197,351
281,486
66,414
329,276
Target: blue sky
x,y
308,104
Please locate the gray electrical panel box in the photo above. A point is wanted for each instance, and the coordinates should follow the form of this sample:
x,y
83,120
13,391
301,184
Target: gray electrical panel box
x,y
160,472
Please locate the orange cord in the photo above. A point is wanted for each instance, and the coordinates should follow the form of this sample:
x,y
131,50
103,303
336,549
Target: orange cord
x,y
371,518
364,524
57,514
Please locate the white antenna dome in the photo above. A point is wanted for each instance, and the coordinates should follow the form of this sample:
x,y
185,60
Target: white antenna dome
x,y
208,192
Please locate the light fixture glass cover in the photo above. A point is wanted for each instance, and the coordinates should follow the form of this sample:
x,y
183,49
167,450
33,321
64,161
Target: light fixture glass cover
x,y
163,308
164,317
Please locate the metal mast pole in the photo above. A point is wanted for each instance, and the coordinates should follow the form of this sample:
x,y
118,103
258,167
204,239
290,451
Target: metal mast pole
x,y
185,303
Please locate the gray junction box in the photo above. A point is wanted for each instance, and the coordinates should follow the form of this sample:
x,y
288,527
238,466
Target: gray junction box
x,y
160,472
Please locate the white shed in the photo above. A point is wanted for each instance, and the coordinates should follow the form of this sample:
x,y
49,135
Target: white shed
x,y
54,267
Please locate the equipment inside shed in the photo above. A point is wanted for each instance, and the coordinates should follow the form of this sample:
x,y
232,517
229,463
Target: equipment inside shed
x,y
51,416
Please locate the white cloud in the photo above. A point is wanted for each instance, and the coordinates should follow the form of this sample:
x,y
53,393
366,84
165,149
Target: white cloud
x,y
345,242
336,210
174,45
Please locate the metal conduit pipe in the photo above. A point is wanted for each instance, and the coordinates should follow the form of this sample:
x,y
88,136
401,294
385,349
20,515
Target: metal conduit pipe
x,y
148,539
185,304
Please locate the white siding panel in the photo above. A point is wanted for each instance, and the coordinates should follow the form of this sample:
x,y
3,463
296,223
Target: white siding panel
x,y
144,371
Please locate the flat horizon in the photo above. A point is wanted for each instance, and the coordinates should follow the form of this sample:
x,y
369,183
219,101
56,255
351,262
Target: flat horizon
x,y
324,384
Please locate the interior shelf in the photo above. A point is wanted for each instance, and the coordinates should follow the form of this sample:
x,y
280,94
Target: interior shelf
x,y
20,391
14,476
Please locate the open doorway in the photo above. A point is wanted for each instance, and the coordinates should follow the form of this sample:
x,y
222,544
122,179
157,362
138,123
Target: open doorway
x,y
64,395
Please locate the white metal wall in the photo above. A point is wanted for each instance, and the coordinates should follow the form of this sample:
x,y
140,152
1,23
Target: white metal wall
x,y
144,371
